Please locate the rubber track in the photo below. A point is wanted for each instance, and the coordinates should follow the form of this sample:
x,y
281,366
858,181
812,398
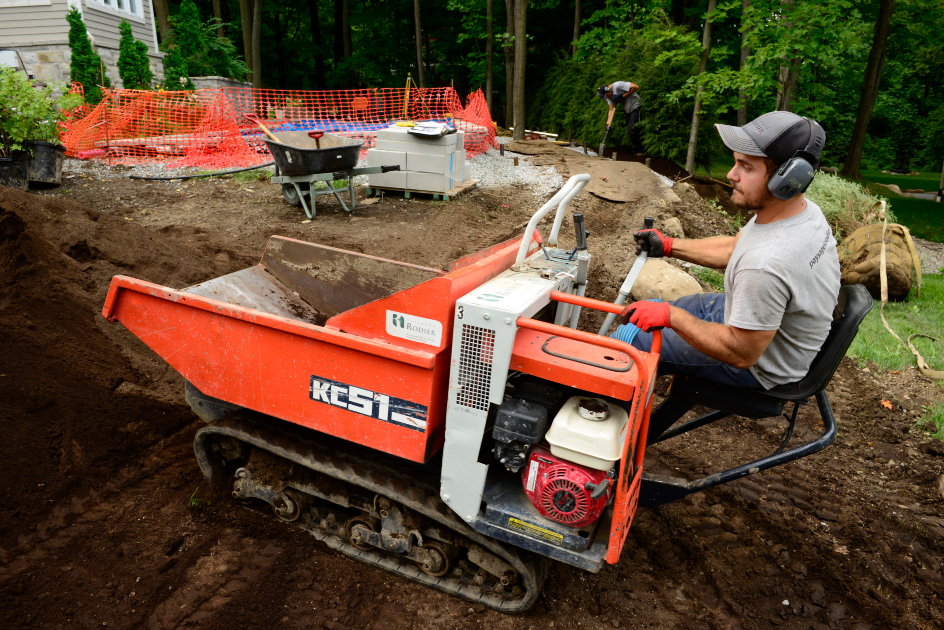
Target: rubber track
x,y
415,492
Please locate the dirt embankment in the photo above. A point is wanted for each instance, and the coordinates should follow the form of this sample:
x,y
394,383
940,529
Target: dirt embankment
x,y
106,522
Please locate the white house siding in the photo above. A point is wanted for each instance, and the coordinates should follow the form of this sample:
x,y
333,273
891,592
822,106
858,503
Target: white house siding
x,y
33,24
102,23
40,33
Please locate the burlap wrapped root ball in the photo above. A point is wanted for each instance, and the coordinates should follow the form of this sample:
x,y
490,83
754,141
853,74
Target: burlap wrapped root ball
x,y
860,257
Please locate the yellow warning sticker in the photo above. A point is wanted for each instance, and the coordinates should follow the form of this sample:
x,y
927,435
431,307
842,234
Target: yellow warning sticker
x,y
535,532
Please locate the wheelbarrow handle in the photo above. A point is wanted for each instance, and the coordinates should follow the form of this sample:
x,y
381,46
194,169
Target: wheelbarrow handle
x,y
315,134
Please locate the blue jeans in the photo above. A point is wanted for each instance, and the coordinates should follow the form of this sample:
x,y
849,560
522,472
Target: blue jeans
x,y
678,357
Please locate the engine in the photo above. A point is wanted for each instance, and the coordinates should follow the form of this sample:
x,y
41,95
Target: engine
x,y
567,468
565,492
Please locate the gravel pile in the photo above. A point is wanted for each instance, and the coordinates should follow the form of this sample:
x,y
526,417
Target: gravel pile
x,y
494,171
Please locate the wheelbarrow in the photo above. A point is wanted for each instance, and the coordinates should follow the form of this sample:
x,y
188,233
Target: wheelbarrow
x,y
305,158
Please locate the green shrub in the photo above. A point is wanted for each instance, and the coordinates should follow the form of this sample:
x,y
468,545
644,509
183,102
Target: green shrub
x,y
133,64
195,49
86,66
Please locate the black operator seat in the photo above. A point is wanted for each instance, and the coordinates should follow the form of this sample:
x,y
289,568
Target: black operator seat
x,y
853,305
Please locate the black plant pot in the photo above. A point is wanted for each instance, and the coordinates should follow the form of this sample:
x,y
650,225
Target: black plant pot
x,y
14,171
45,169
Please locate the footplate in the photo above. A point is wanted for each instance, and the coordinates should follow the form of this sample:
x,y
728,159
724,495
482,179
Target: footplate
x,y
399,482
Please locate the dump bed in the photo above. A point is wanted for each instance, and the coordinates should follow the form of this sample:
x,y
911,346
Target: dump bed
x,y
344,343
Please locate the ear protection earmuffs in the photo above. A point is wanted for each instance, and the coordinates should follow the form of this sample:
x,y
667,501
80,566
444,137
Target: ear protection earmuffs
x,y
796,174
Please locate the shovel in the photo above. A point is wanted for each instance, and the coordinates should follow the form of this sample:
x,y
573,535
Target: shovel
x,y
603,144
265,129
316,136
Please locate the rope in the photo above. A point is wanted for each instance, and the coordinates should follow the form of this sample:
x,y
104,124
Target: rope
x,y
923,366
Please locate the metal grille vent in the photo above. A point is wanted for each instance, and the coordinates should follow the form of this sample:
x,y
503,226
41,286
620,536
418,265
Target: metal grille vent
x,y
475,366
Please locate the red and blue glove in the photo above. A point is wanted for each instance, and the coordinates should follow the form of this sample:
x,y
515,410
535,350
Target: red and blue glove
x,y
654,242
647,316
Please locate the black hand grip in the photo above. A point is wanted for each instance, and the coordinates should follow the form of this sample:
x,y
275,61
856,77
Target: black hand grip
x,y
599,490
581,232
648,222
387,169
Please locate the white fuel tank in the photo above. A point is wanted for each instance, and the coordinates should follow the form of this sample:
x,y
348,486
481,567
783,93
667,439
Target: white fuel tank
x,y
589,431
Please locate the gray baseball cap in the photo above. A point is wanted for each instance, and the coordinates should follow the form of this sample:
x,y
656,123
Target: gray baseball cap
x,y
777,135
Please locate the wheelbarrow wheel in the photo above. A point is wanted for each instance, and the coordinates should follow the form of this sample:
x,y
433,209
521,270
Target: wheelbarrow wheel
x,y
291,195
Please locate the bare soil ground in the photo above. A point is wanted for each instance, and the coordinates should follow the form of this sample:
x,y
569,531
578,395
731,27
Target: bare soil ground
x,y
107,522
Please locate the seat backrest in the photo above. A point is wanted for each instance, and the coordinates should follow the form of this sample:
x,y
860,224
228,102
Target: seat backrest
x,y
853,305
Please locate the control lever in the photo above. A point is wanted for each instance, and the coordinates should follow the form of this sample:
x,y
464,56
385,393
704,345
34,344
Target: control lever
x,y
581,233
627,286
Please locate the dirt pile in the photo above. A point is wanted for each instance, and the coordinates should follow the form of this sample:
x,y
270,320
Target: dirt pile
x,y
66,373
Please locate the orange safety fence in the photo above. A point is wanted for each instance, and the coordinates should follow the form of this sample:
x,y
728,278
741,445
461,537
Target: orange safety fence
x,y
208,128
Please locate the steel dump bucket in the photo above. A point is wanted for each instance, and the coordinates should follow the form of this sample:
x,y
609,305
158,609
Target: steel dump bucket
x,y
299,155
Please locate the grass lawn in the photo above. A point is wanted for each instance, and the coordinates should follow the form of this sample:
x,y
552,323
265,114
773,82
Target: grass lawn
x,y
720,165
924,217
923,314
924,181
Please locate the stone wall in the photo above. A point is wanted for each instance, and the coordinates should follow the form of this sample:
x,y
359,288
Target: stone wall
x,y
49,62
215,83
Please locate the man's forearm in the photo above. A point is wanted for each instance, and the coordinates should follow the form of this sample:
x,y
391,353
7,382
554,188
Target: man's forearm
x,y
609,117
717,341
714,252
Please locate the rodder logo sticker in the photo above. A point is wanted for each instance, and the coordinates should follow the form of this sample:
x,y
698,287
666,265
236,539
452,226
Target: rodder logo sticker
x,y
413,328
363,401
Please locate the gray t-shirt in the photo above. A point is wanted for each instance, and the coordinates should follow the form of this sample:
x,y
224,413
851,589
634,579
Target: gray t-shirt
x,y
784,276
631,102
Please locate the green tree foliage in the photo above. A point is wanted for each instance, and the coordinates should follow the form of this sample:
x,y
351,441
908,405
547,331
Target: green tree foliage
x,y
658,56
86,66
133,64
196,49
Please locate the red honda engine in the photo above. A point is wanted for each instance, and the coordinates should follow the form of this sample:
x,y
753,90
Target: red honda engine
x,y
564,491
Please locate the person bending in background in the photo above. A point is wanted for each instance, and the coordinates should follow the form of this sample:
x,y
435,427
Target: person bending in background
x,y
627,94
781,280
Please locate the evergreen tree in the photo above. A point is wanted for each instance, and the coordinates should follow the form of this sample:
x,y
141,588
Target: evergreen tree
x,y
133,64
176,73
86,66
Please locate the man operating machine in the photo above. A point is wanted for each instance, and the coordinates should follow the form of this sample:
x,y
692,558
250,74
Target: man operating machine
x,y
781,275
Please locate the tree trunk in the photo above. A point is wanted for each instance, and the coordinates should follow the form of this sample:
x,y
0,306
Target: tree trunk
x,y
696,116
873,73
161,13
521,51
577,20
509,63
338,46
489,53
745,53
257,44
788,81
218,14
421,75
245,16
319,79
346,23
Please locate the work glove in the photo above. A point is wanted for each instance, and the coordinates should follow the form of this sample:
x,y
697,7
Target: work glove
x,y
647,315
654,242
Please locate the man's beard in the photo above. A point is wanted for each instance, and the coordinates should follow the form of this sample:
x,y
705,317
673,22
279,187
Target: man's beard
x,y
755,202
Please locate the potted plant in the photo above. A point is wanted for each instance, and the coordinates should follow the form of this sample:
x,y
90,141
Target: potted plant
x,y
21,105
45,167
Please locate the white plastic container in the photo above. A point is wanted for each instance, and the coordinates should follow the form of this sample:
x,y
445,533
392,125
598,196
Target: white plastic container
x,y
589,432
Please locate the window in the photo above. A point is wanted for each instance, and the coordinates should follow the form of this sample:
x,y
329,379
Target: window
x,y
131,7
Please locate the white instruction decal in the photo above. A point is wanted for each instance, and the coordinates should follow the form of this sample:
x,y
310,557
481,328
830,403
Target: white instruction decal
x,y
413,328
532,475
